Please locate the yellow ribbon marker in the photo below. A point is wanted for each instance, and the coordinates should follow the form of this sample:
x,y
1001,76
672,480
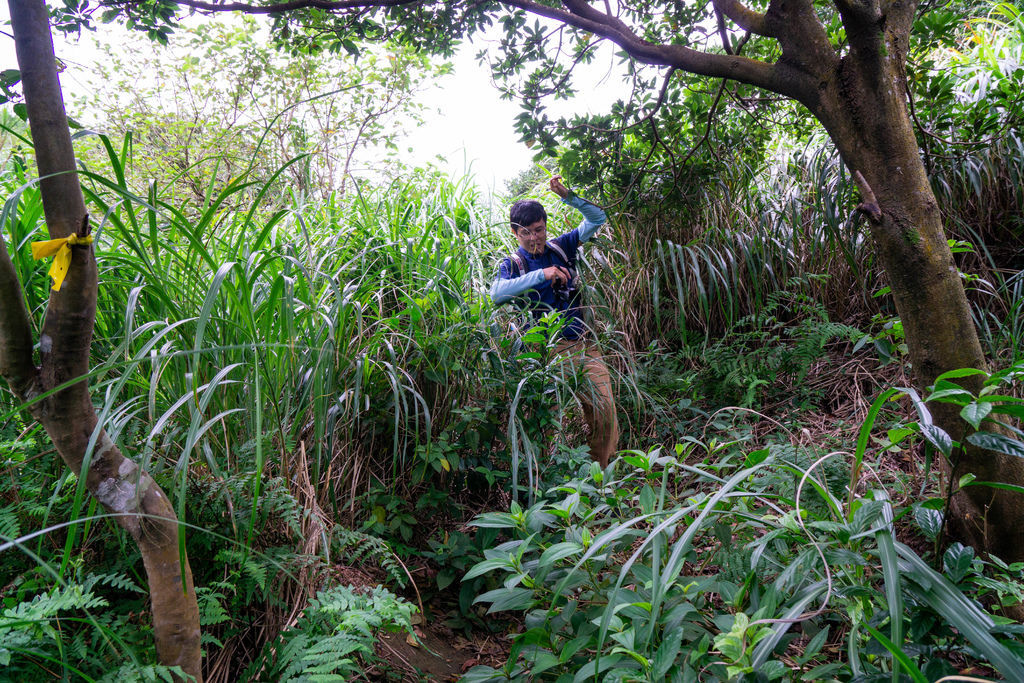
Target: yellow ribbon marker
x,y
60,250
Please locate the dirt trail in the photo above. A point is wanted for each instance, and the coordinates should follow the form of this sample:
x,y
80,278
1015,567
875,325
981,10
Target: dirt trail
x,y
440,655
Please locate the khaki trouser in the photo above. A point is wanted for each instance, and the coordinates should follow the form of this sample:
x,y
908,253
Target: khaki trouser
x,y
596,397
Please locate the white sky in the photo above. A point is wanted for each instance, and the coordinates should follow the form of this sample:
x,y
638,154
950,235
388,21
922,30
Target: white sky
x,y
468,128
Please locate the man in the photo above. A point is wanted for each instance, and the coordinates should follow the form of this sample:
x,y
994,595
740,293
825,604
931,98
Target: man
x,y
544,273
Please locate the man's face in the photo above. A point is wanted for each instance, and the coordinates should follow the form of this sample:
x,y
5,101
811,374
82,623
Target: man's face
x,y
533,237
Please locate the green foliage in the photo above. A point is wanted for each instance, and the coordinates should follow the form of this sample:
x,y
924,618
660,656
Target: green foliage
x,y
356,547
990,413
223,105
333,638
291,365
622,575
73,627
768,353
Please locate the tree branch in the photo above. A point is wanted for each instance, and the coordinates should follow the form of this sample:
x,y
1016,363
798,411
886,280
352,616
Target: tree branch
x,y
578,15
290,5
745,18
745,70
869,204
16,365
866,11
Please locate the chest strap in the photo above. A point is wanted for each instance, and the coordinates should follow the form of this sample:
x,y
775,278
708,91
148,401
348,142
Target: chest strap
x,y
519,266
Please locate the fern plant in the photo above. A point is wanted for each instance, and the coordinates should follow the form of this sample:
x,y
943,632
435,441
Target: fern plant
x,y
49,627
782,341
358,547
333,639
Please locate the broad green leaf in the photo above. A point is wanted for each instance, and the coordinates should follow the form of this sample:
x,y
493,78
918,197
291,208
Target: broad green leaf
x,y
996,485
756,457
591,669
494,520
957,560
974,413
937,437
487,566
930,521
559,551
667,653
950,394
962,372
998,443
503,599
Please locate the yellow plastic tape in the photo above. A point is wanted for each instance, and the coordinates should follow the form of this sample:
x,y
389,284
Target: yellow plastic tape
x,y
60,250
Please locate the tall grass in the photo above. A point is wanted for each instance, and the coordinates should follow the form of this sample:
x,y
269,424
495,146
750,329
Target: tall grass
x,y
690,275
293,367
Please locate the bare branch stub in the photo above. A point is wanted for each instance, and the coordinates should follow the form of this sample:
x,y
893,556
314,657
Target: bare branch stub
x,y
868,205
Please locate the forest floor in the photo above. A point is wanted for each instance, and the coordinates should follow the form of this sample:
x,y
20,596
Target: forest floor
x,y
438,654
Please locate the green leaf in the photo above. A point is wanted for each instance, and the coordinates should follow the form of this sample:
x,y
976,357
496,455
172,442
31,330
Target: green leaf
x,y
350,47
560,551
950,394
813,647
756,457
957,560
961,613
487,566
974,413
590,670
503,599
897,654
541,661
996,485
962,372
930,521
494,520
647,499
574,646
937,437
998,443
898,434
891,574
667,653
1003,409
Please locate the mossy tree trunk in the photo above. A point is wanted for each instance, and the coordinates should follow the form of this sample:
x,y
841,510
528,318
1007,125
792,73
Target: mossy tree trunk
x,y
863,106
125,491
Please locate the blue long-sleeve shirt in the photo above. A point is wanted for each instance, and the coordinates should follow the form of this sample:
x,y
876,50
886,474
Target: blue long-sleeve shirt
x,y
533,285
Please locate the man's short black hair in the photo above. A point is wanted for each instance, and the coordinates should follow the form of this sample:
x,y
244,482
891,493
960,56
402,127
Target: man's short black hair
x,y
527,212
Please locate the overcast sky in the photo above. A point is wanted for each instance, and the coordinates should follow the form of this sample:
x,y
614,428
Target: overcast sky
x,y
468,127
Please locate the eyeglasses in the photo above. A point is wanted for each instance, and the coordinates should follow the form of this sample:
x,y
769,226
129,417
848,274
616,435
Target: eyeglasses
x,y
527,233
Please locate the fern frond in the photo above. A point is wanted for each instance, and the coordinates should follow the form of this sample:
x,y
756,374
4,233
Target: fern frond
x,y
358,547
334,637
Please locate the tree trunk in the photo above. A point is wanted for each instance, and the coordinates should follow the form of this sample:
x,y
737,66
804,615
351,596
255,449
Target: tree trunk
x,y
864,110
124,490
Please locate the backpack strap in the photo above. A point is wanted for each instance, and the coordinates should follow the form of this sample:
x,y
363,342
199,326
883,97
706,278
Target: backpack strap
x,y
518,266
561,252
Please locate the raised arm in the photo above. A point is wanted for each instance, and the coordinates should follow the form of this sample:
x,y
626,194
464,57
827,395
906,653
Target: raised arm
x,y
593,216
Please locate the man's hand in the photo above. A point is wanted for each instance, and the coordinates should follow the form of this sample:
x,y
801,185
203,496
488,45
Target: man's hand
x,y
557,274
558,188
